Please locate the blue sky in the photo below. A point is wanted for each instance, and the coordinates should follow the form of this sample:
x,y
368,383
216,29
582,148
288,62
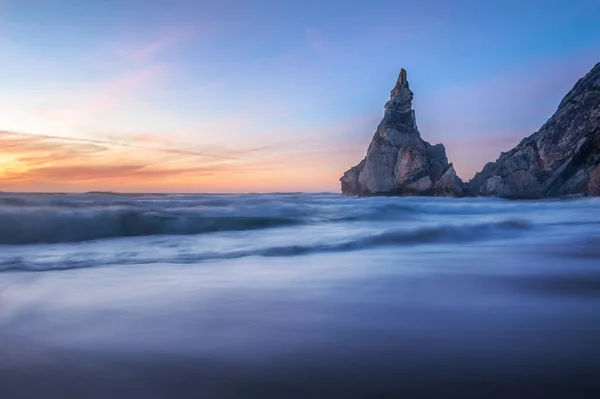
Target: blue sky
x,y
250,95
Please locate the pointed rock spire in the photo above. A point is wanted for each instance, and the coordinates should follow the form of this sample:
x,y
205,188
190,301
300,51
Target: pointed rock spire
x,y
401,96
398,161
402,78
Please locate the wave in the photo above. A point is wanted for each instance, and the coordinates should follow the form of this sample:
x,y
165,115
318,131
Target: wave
x,y
43,226
66,218
451,234
427,235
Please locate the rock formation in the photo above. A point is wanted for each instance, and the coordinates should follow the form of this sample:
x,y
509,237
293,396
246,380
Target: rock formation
x,y
398,161
562,158
449,184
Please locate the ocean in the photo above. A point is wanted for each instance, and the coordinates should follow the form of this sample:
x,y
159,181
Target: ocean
x,y
298,295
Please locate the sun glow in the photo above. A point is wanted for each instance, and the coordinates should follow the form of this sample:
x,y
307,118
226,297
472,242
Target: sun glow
x,y
10,166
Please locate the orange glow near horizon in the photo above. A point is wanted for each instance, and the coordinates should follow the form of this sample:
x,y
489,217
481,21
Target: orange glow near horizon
x,y
52,164
148,163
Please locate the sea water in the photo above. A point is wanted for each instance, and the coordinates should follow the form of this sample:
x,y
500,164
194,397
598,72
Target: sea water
x,y
298,295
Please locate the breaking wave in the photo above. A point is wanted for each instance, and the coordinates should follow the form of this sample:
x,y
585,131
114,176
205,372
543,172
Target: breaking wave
x,y
40,232
440,234
65,218
48,227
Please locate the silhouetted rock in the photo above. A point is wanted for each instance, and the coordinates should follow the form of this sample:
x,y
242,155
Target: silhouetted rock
x,y
398,161
562,158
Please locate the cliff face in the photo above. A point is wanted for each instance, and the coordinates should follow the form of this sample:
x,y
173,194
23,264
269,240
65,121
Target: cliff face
x,y
562,158
398,161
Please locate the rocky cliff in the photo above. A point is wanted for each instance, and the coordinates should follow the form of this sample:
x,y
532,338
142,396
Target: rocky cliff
x,y
398,161
562,158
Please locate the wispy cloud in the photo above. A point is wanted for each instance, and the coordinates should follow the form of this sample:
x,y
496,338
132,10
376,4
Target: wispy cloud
x,y
114,75
104,96
146,161
36,142
42,162
146,51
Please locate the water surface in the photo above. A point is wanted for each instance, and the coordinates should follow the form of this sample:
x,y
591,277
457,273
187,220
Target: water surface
x,y
297,295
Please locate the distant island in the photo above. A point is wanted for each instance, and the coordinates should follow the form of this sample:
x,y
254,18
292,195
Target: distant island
x,y
562,158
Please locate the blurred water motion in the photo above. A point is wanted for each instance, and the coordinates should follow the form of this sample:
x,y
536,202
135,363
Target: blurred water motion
x,y
298,296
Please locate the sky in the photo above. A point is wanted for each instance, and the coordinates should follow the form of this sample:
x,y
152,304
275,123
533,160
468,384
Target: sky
x,y
269,95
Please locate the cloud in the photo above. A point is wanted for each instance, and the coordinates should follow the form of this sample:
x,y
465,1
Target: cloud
x,y
37,142
146,162
50,163
99,97
145,51
114,76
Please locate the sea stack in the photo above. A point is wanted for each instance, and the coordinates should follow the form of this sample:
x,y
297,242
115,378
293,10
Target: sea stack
x,y
398,161
562,158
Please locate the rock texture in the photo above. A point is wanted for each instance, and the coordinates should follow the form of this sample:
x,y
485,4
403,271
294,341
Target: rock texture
x,y
449,184
562,158
398,161
594,183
